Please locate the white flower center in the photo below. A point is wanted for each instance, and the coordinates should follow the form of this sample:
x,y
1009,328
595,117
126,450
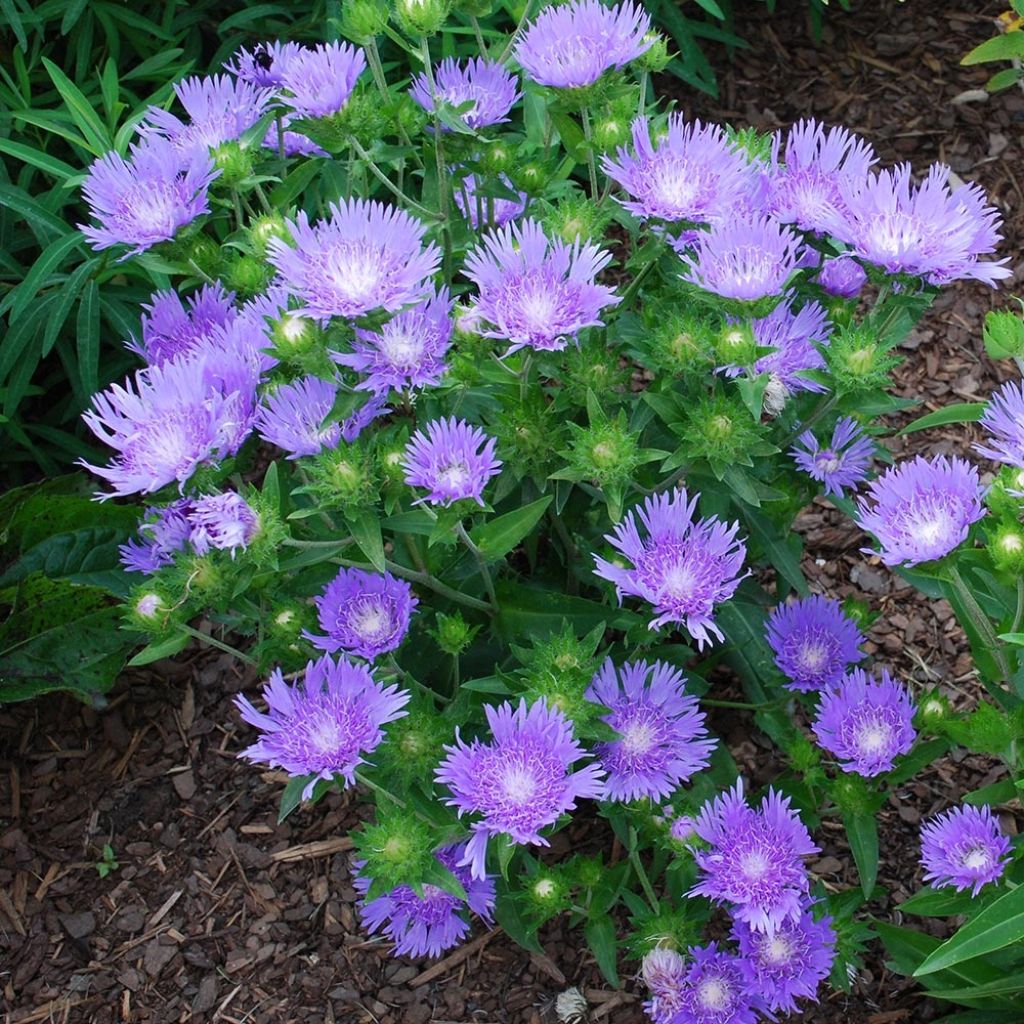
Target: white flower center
x,y
714,994
638,738
152,207
777,950
754,864
680,581
933,527
874,738
354,273
538,308
977,859
813,656
519,785
893,235
326,735
674,184
453,477
370,620
400,348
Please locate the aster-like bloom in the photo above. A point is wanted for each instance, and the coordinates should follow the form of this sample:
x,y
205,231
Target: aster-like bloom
x,y
264,64
662,741
664,974
743,258
487,211
324,724
163,533
814,642
715,990
930,230
166,423
407,352
363,613
146,198
367,256
295,143
222,521
491,89
1003,421
790,964
534,291
754,859
320,80
519,782
430,923
172,328
866,723
292,417
806,186
574,44
923,508
842,276
352,426
220,109
964,848
452,460
683,567
844,463
691,173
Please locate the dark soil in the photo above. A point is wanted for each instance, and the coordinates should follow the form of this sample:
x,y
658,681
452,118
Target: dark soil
x,y
216,913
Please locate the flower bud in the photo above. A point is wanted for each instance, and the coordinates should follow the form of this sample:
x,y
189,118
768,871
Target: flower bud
x,y
263,229
531,176
858,360
842,277
422,17
497,157
607,453
656,57
576,218
933,709
1006,546
453,634
247,275
547,893
294,335
736,345
1004,334
203,253
362,20
234,163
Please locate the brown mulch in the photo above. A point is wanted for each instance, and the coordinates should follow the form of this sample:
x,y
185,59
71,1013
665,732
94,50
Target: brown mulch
x,y
215,912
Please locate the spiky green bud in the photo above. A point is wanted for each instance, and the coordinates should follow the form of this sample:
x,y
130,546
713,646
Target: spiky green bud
x,y
234,163
247,275
263,229
858,360
736,345
656,58
576,217
363,20
422,17
1006,546
453,634
1004,334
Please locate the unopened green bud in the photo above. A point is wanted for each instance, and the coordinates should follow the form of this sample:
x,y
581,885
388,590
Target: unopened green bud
x,y
294,335
1003,498
398,848
203,253
531,176
933,709
407,115
547,893
453,634
1006,546
858,361
362,20
803,754
852,795
497,157
234,163
149,607
558,670
859,611
247,275
422,17
736,345
588,872
610,131
576,218
607,453
656,58
1004,334
263,229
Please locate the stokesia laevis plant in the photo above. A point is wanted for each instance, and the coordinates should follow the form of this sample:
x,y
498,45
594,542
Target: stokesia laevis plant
x,y
482,430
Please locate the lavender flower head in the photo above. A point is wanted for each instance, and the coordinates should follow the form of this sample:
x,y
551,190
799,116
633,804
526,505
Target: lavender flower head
x,y
519,782
662,741
573,45
428,924
147,198
353,425
743,258
324,724
320,80
452,460
220,109
171,328
264,64
1003,421
222,521
844,463
537,292
367,256
664,973
806,186
922,508
292,417
790,964
715,990
866,723
491,89
692,173
755,859
683,567
363,613
929,230
964,848
163,533
842,276
487,211
407,352
814,642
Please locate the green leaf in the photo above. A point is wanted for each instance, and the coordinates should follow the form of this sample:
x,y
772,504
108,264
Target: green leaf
x,y
999,925
778,548
961,412
39,218
499,536
88,340
159,649
291,796
1003,79
366,533
1003,47
88,556
49,259
509,916
600,934
87,120
862,832
66,298
533,611
37,158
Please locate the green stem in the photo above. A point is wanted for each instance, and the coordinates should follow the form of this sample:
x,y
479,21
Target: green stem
x,y
280,137
641,874
442,168
219,644
980,621
1018,615
481,563
823,408
479,35
642,103
424,579
515,35
524,377
293,542
591,160
631,289
387,182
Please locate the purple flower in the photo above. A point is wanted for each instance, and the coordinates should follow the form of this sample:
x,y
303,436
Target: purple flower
x,y
534,291
145,199
292,417
743,258
922,508
323,725
965,848
320,80
368,256
487,211
164,425
715,990
664,973
1003,420
490,88
163,533
222,521
407,352
220,109
574,44
264,64
171,328
814,642
295,143
754,862
430,923
866,723
842,276
929,231
844,463
691,173
806,187
363,613
354,425
519,782
453,460
790,964
683,567
662,741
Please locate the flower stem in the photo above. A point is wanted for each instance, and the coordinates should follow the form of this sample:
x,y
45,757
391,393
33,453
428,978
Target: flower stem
x,y
641,873
424,579
442,169
980,621
219,644
591,161
481,563
515,35
479,35
823,408
387,182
